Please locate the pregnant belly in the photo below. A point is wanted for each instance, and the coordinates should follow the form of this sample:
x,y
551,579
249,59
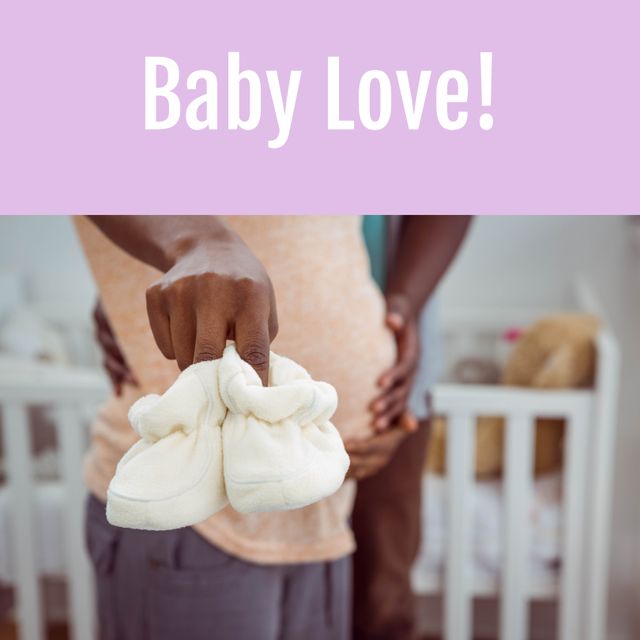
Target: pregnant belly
x,y
343,342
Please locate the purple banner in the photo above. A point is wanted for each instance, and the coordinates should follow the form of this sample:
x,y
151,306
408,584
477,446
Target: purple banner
x,y
331,107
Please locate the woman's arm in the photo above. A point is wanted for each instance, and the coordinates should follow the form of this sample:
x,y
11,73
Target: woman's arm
x,y
425,249
213,288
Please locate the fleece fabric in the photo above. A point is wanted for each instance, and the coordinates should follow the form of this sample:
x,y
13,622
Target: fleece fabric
x,y
218,436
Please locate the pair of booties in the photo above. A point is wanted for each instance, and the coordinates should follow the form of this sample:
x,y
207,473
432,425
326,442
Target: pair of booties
x,y
217,436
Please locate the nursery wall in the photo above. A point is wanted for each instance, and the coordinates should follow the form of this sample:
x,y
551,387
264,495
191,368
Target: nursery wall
x,y
45,255
533,262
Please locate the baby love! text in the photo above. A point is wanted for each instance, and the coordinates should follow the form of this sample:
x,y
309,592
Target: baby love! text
x,y
197,98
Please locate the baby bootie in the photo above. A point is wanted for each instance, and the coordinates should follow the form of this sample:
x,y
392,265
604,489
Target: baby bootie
x,y
280,449
173,477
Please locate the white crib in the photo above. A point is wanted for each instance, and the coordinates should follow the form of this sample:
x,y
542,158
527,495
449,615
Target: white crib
x,y
590,415
582,586
72,394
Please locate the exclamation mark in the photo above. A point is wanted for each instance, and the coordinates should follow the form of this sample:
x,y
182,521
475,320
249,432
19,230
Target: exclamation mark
x,y
486,68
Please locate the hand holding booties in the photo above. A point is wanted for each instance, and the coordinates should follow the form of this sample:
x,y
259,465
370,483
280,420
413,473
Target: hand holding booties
x,y
218,435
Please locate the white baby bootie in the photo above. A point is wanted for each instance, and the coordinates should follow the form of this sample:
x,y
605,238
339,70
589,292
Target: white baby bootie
x,y
280,449
173,477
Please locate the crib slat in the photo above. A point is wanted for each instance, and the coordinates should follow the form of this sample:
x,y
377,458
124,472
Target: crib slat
x,y
20,481
71,439
601,474
514,605
574,483
458,596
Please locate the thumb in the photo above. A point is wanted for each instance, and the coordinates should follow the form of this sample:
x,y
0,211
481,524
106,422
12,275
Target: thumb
x,y
398,311
408,422
394,320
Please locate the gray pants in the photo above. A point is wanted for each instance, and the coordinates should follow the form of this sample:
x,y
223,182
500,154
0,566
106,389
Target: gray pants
x,y
170,585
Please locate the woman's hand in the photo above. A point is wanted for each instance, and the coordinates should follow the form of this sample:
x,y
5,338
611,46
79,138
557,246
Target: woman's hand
x,y
113,359
215,290
426,246
397,381
370,455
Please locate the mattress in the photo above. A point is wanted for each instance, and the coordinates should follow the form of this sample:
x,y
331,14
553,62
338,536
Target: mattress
x,y
545,519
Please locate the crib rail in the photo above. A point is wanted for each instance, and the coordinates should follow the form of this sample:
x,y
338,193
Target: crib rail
x,y
67,390
461,405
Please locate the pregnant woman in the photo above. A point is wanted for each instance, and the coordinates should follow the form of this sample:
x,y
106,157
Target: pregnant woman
x,y
174,289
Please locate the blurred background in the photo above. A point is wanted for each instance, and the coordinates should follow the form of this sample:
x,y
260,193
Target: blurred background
x,y
512,264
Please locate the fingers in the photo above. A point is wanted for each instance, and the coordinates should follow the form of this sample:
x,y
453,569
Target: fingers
x,y
211,338
376,444
182,325
113,360
389,406
395,321
116,381
370,455
390,396
110,348
118,373
173,325
116,368
398,310
408,422
397,418
361,469
252,343
99,316
365,464
206,299
273,323
159,322
104,333
405,366
390,417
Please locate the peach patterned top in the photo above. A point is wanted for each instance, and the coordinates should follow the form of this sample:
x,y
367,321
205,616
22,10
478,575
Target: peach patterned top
x,y
330,314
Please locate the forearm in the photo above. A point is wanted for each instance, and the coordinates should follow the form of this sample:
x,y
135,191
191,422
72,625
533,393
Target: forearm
x,y
213,288
426,248
160,240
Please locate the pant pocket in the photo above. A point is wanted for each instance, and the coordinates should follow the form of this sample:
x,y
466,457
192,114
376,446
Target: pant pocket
x,y
228,602
102,544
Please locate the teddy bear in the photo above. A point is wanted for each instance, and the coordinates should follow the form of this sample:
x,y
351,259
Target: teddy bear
x,y
556,352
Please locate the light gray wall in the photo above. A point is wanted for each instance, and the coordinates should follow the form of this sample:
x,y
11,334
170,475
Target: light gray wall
x,y
44,251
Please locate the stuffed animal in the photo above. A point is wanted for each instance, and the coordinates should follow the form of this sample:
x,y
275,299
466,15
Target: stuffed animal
x,y
557,352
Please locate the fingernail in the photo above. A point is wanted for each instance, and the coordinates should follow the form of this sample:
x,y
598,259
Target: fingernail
x,y
380,423
379,405
396,318
411,424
